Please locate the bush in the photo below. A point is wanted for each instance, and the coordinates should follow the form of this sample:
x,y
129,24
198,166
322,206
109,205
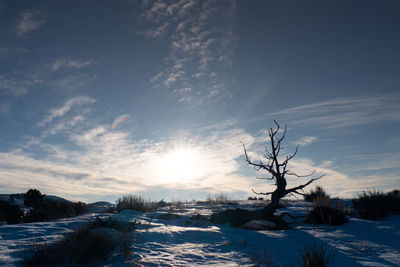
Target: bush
x,y
316,195
315,255
110,222
44,209
33,198
326,215
79,247
220,199
9,213
137,203
84,245
376,205
50,210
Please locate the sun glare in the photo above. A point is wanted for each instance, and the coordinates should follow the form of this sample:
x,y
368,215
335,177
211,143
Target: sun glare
x,y
180,165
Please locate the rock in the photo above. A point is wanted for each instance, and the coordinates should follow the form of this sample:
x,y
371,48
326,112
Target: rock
x,y
199,217
236,217
287,218
168,216
260,225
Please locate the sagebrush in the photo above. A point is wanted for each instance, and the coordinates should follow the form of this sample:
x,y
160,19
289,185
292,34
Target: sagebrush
x,y
376,205
137,203
85,245
316,194
326,215
315,255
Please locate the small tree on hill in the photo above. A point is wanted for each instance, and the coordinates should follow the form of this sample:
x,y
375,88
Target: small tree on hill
x,y
278,170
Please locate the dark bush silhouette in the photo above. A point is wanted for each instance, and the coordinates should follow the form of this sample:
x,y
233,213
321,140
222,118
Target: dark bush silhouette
x,y
9,213
40,208
137,203
316,194
85,245
33,198
376,205
110,222
315,255
80,247
52,210
326,215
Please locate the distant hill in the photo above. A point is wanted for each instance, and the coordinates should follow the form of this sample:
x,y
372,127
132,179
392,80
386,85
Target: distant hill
x,y
99,206
19,196
56,198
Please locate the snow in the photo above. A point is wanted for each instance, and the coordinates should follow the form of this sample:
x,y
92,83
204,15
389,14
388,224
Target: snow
x,y
183,241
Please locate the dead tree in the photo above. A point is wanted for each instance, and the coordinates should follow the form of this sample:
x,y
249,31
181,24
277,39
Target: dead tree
x,y
278,170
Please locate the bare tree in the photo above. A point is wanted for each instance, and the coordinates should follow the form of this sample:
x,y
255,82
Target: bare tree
x,y
278,170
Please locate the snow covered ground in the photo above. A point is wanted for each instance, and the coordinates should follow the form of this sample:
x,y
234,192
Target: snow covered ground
x,y
183,241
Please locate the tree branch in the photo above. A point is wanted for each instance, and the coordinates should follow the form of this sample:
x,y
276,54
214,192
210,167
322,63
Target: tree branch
x,y
260,193
300,176
300,187
258,165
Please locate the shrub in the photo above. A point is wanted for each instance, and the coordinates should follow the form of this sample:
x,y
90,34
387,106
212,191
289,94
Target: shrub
x,y
44,209
326,215
318,194
52,209
315,255
33,198
375,205
9,213
84,245
79,247
220,199
110,222
137,203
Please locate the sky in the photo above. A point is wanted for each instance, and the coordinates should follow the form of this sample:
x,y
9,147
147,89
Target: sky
x,y
104,98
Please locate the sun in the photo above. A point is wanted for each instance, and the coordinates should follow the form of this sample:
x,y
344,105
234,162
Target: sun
x,y
180,165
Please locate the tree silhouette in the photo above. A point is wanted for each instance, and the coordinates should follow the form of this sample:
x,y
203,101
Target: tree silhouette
x,y
33,198
278,169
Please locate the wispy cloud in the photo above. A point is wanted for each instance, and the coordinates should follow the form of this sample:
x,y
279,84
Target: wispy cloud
x,y
69,63
340,112
29,20
305,140
11,85
68,105
7,51
201,41
346,112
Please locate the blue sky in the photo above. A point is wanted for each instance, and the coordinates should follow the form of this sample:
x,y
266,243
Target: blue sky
x,y
103,98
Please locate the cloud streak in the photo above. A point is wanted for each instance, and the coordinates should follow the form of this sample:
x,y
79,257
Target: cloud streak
x,y
68,105
306,140
29,21
340,112
69,63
